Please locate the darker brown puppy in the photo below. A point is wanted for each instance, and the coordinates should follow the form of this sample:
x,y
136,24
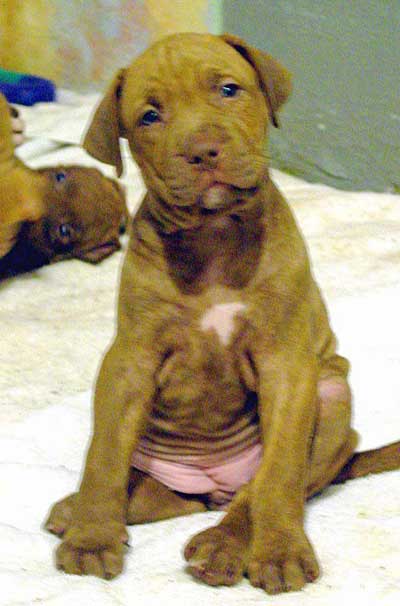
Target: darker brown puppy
x,y
84,215
224,366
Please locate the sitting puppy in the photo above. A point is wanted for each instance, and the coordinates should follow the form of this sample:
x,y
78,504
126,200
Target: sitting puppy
x,y
223,382
21,189
84,215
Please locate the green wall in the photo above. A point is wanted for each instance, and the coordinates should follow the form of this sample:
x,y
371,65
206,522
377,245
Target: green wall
x,y
342,124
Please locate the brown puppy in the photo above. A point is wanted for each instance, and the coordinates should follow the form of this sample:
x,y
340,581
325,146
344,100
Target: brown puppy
x,y
84,215
223,375
20,187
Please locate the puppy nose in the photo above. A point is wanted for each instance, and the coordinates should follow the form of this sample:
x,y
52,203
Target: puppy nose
x,y
204,154
204,146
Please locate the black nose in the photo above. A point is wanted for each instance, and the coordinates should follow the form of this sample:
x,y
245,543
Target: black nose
x,y
14,112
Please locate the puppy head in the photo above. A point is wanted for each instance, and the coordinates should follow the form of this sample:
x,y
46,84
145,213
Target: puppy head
x,y
195,110
85,214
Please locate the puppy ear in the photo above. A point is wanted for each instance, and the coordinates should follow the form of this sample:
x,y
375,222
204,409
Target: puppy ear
x,y
275,80
102,137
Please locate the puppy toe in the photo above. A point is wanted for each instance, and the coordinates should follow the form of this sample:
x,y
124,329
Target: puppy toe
x,y
215,558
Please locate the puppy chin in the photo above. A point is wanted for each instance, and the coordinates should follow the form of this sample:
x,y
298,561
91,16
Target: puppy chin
x,y
217,196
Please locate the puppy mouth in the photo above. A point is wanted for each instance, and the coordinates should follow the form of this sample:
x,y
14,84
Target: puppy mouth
x,y
221,196
100,252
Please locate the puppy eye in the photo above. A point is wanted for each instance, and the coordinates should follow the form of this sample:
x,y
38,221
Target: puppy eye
x,y
150,117
60,176
65,231
229,90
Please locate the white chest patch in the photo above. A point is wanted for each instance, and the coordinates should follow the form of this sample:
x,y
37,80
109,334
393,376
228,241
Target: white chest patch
x,y
221,319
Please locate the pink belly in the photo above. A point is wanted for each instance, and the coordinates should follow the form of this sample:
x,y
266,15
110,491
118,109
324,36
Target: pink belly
x,y
220,481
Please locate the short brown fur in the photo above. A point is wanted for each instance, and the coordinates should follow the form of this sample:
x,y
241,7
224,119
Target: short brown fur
x,y
212,230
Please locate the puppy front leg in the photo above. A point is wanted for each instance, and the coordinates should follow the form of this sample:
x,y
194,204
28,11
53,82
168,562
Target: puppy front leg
x,y
282,558
93,544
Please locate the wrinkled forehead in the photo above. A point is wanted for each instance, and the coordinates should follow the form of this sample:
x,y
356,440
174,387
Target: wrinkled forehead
x,y
181,64
83,196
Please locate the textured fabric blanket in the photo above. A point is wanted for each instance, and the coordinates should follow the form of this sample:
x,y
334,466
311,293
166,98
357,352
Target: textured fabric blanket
x,y
55,324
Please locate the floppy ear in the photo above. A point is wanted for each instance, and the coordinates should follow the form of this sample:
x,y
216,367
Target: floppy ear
x,y
275,80
102,137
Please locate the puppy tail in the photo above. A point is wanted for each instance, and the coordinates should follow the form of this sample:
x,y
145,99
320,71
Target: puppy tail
x,y
378,460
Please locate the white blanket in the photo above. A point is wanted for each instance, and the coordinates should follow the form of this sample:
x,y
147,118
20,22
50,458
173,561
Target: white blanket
x,y
56,322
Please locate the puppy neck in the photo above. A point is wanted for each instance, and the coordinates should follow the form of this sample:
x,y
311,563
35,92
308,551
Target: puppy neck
x,y
222,250
169,219
172,219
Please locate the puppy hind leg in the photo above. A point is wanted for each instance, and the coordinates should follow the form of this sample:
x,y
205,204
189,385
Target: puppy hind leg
x,y
59,519
151,501
334,440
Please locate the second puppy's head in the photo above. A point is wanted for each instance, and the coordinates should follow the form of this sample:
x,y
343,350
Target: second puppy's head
x,y
85,214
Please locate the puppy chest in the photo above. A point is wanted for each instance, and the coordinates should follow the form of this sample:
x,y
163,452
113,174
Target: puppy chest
x,y
222,320
202,382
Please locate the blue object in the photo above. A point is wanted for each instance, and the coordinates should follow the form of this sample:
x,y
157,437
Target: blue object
x,y
26,90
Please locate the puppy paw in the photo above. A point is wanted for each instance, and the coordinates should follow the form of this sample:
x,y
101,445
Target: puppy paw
x,y
60,517
216,557
282,563
92,549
